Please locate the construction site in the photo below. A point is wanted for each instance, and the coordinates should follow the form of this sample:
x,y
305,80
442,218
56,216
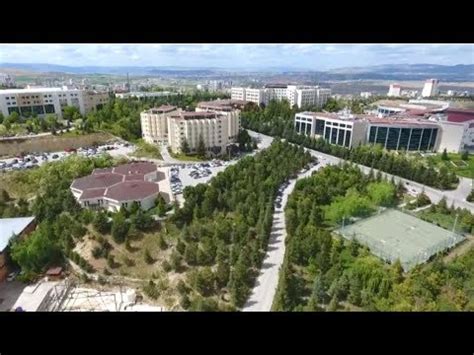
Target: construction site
x,y
69,296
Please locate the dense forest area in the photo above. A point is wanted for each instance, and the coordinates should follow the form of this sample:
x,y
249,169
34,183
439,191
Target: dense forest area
x,y
225,227
277,119
324,272
215,243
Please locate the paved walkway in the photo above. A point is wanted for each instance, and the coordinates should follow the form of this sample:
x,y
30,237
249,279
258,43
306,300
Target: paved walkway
x,y
266,284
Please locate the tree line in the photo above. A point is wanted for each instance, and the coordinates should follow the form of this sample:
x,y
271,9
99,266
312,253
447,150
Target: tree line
x,y
277,119
224,227
322,272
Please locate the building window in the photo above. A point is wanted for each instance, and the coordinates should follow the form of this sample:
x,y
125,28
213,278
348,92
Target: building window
x,y
404,138
392,140
415,139
381,136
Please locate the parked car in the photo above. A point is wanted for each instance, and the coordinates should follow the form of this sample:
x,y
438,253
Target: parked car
x,y
12,276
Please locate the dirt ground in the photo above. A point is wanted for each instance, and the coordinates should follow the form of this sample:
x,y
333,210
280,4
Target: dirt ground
x,y
51,143
461,249
130,266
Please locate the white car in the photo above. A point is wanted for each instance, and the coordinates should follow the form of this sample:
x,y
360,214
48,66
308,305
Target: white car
x,y
12,276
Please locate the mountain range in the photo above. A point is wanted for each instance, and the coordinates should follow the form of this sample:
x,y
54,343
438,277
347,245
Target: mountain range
x,y
461,72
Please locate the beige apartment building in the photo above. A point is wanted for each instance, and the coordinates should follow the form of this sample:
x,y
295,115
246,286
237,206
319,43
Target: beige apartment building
x,y
154,124
189,126
217,121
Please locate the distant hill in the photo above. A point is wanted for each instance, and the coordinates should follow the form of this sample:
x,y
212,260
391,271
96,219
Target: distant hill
x,y
459,72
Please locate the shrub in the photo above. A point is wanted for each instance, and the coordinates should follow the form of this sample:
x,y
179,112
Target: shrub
x,y
148,258
166,266
151,290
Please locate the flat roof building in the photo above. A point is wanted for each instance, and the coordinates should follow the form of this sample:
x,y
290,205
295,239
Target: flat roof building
x,y
154,123
217,122
400,132
42,101
299,95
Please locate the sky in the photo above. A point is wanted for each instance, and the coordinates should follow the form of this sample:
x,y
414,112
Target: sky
x,y
300,56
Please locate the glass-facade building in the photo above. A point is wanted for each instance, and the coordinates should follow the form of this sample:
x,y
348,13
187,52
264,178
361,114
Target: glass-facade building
x,y
334,131
403,138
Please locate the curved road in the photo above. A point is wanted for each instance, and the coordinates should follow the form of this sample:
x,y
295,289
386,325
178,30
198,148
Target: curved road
x,y
266,284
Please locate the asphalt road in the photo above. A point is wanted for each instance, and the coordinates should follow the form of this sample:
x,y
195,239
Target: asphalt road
x,y
266,284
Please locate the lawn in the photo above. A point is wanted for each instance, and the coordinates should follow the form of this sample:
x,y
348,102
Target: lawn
x,y
442,220
185,157
146,150
455,164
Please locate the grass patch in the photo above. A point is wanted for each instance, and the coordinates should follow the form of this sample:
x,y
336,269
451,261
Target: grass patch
x,y
147,150
185,157
455,164
442,220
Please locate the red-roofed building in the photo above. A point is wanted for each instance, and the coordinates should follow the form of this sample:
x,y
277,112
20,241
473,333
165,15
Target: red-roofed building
x,y
120,186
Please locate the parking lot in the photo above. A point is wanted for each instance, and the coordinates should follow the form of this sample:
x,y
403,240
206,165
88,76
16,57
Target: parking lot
x,y
30,161
183,175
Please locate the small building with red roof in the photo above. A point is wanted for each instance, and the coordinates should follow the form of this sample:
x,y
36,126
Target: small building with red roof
x,y
120,186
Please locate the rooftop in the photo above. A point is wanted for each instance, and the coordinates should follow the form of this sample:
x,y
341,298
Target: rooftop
x,y
135,168
195,115
120,182
222,104
34,90
10,227
131,190
96,180
162,109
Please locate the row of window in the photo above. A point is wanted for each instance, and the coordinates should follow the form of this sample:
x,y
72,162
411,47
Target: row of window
x,y
403,138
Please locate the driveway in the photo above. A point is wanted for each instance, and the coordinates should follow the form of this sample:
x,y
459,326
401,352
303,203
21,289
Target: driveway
x,y
456,197
10,291
266,284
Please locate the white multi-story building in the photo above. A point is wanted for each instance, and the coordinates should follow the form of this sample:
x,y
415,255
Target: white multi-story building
x,y
347,131
458,130
217,121
394,90
430,88
43,101
228,108
406,133
365,94
237,93
190,126
154,123
299,95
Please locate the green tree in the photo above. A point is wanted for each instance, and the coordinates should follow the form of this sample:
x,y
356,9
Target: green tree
x,y
190,254
465,155
120,228
185,146
201,147
101,222
444,155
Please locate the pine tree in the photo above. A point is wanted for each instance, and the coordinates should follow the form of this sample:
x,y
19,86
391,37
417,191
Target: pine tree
x,y
444,155
185,146
201,148
465,155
